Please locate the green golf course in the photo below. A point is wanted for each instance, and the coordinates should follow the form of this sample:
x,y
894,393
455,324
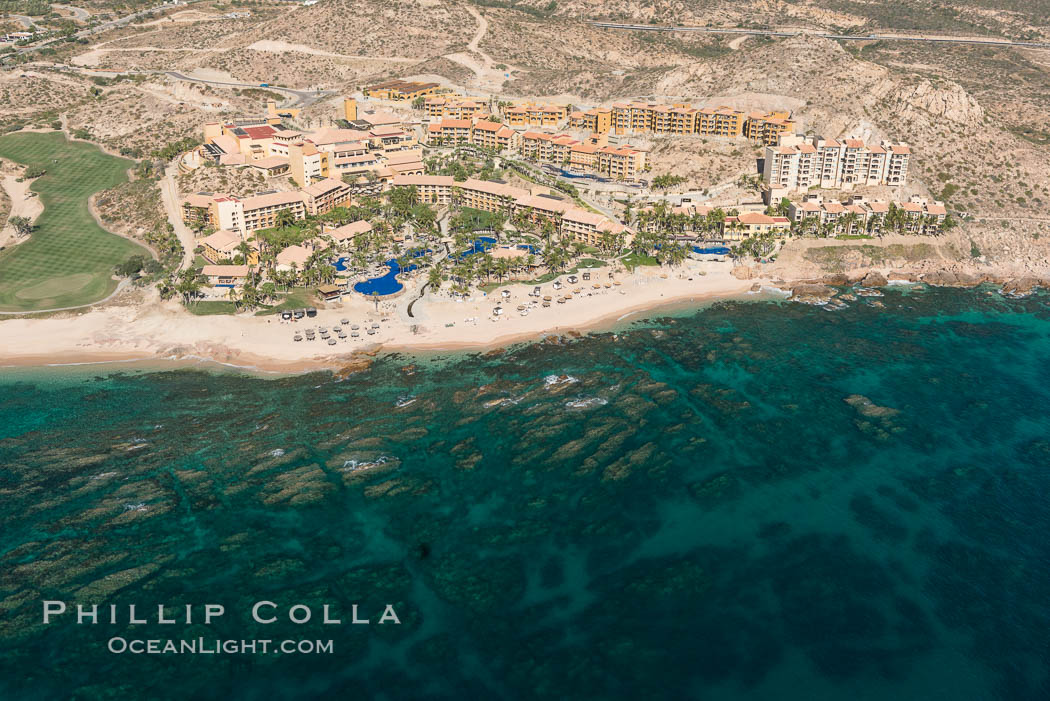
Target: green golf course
x,y
69,259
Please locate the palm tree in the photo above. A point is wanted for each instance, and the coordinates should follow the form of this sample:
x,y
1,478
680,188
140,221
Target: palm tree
x,y
189,285
434,278
498,222
676,254
502,268
849,221
284,218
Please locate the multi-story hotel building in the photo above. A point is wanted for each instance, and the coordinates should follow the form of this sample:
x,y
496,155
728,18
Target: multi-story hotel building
x,y
768,128
683,119
921,216
254,213
597,120
454,107
325,195
720,121
449,131
582,225
400,90
799,163
536,115
491,135
622,162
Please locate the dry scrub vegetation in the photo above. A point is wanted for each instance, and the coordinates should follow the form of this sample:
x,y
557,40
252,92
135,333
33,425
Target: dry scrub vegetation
x,y
975,117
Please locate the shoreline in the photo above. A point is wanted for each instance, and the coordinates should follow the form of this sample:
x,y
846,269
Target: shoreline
x,y
138,331
246,358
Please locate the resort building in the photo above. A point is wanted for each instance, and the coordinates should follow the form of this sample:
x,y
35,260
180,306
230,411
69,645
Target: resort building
x,y
251,141
639,117
271,166
452,106
261,211
720,121
273,151
325,195
449,131
294,257
537,204
623,162
747,224
307,163
597,120
253,213
768,128
583,158
405,162
347,233
400,90
225,245
801,163
389,137
536,115
491,135
356,164
195,208
226,275
858,214
489,196
684,119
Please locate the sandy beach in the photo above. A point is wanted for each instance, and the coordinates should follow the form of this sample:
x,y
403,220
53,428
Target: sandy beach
x,y
127,330
22,205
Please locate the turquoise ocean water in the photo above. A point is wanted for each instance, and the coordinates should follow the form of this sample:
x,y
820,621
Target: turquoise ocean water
x,y
752,501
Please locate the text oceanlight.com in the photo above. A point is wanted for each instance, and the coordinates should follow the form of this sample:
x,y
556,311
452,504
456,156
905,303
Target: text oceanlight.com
x,y
261,613
202,646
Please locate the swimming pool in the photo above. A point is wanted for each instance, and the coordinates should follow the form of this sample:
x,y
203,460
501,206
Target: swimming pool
x,y
714,250
385,284
480,245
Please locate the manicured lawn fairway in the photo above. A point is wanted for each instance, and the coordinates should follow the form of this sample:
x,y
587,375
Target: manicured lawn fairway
x,y
69,259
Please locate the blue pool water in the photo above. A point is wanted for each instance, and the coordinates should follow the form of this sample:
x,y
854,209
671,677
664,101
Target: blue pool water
x,y
480,245
714,250
534,250
341,264
384,284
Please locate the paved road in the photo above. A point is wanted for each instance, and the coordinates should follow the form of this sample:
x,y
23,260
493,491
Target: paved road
x,y
98,28
933,39
169,196
78,13
303,98
27,21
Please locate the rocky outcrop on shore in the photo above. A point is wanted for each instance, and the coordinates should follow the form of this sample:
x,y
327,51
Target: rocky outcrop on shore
x,y
811,292
821,290
358,362
1022,287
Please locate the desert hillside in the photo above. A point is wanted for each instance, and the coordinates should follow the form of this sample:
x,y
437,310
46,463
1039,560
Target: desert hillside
x,y
975,116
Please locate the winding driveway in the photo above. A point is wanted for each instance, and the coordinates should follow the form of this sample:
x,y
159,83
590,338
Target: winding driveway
x,y
78,13
480,63
303,98
169,196
27,21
